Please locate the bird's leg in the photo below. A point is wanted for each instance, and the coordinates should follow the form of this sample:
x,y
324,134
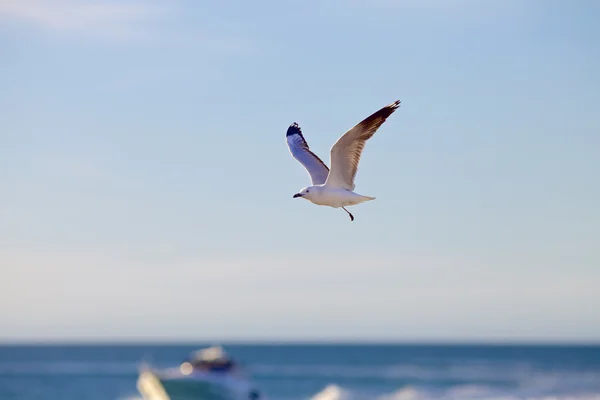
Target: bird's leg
x,y
349,213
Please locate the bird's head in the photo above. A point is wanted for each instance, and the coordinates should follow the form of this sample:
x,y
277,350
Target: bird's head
x,y
306,193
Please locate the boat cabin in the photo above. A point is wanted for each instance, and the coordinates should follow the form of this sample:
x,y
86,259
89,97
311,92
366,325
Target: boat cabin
x,y
212,359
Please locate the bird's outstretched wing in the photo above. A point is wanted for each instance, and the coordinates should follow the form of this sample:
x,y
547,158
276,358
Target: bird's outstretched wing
x,y
345,153
299,149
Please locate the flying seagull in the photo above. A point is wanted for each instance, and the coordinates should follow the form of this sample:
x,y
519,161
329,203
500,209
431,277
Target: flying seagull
x,y
335,188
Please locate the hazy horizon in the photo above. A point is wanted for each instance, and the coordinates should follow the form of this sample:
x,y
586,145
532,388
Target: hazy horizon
x,y
306,342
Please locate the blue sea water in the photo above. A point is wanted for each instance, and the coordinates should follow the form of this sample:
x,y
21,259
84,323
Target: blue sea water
x,y
323,372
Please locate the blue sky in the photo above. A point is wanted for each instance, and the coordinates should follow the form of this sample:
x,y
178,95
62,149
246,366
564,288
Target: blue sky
x,y
147,188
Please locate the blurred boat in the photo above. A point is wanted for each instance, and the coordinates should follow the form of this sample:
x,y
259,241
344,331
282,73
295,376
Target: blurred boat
x,y
207,374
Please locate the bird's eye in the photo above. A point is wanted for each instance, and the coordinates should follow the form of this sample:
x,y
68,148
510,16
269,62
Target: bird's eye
x,y
307,191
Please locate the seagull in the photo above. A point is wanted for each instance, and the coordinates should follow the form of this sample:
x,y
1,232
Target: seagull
x,y
335,188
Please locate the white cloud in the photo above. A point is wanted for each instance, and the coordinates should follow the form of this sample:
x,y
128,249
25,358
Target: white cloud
x,y
106,19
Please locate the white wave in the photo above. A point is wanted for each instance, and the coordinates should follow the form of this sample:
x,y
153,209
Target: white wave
x,y
460,392
333,392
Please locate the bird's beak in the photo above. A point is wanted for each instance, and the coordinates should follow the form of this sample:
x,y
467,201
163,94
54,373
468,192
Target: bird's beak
x,y
297,195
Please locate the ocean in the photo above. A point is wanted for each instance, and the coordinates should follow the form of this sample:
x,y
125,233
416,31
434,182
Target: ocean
x,y
317,372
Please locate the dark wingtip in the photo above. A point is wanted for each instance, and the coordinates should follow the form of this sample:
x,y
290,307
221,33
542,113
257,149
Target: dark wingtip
x,y
388,110
294,129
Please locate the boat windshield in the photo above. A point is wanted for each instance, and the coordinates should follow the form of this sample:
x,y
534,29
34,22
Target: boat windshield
x,y
213,365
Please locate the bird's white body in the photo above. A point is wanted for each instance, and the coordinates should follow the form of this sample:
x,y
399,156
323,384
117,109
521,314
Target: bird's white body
x,y
335,187
323,195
